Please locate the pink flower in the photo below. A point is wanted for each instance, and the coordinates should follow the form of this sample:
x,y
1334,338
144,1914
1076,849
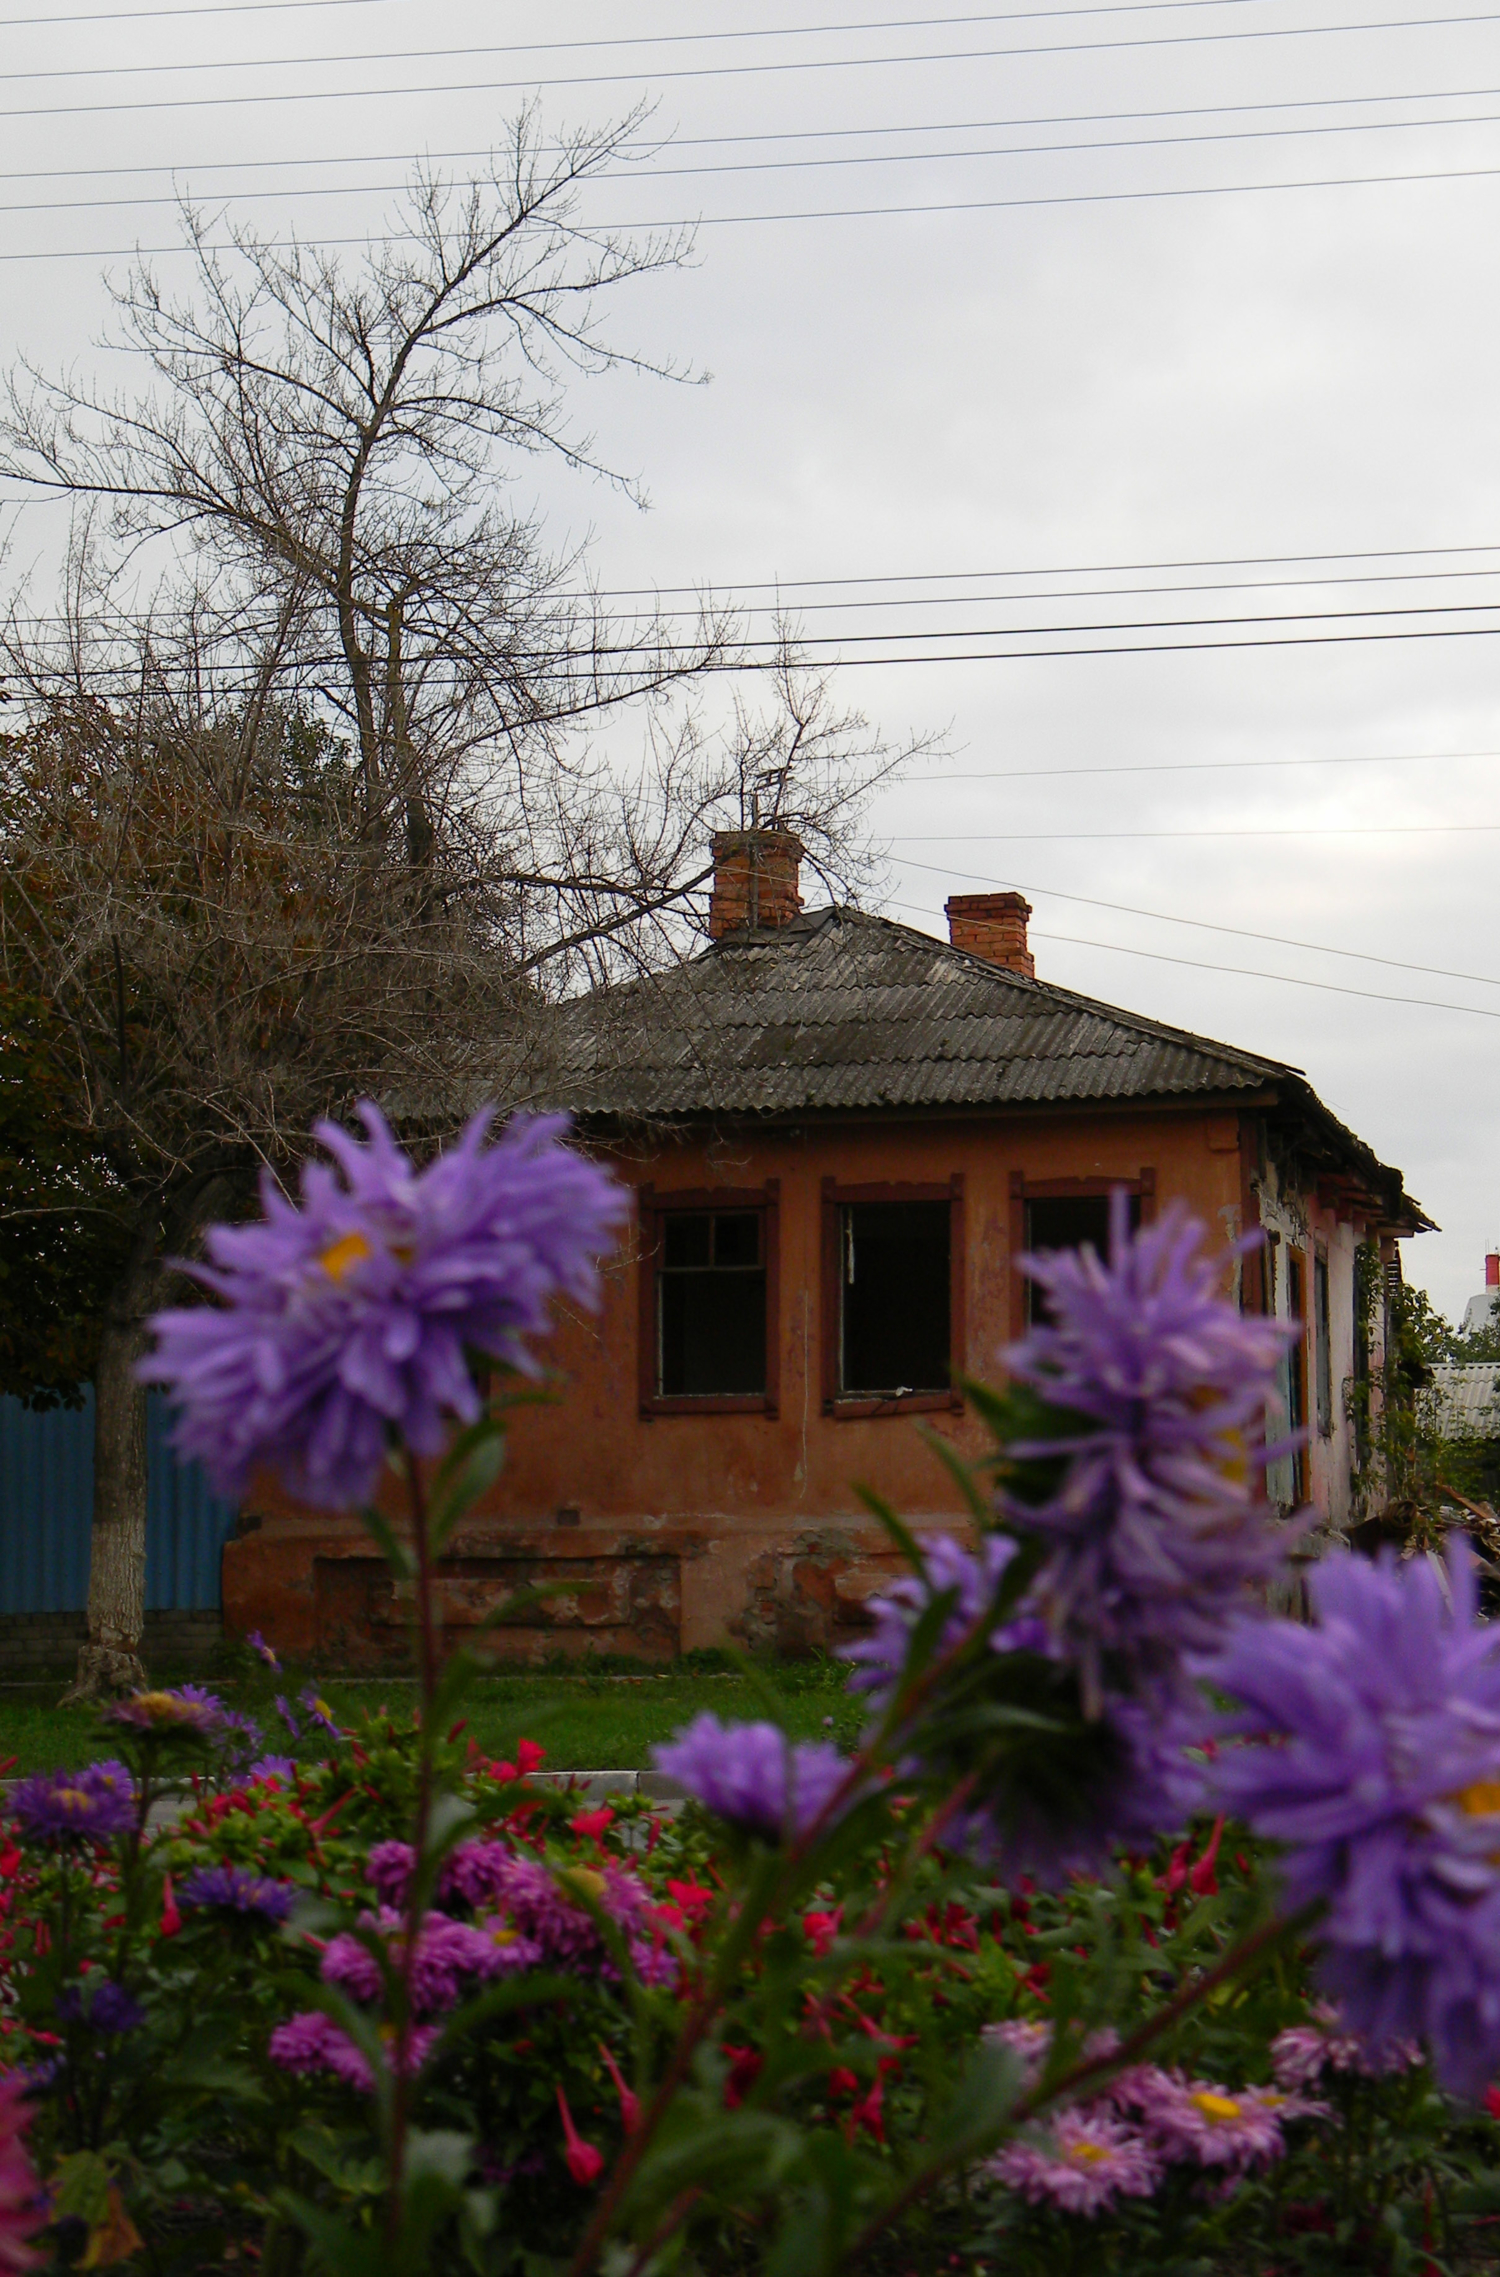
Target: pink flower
x,y
585,2163
1300,2054
1197,2119
23,2209
1080,2164
313,2042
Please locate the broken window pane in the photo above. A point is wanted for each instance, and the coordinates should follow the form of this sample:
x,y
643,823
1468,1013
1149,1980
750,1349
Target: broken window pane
x,y
895,1305
1068,1221
711,1305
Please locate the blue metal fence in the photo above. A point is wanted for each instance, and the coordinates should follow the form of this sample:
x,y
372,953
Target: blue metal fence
x,y
46,1506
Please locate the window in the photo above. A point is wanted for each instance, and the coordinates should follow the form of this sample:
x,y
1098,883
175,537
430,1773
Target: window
x,y
1296,1365
1068,1221
708,1302
891,1297
1322,1346
1064,1213
711,1304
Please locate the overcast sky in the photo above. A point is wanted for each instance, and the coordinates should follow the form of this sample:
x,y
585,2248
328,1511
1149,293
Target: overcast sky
x,y
1014,408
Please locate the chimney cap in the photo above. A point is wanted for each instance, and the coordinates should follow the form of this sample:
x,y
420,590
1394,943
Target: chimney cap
x,y
992,926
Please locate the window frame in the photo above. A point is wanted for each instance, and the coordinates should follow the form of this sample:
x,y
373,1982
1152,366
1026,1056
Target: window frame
x,y
1322,1341
1024,1190
857,1407
652,1208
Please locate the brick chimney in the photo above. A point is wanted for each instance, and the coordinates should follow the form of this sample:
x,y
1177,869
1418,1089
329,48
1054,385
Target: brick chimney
x,y
1492,1270
755,880
992,925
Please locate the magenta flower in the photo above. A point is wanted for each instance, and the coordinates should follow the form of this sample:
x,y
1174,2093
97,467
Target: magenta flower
x,y
1158,1526
24,2206
1081,2162
233,1889
348,1318
1194,2119
1304,2052
312,2042
318,1712
388,1865
753,1775
91,1805
1382,1784
262,1650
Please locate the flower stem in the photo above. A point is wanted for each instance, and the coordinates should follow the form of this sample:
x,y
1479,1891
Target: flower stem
x,y
416,1897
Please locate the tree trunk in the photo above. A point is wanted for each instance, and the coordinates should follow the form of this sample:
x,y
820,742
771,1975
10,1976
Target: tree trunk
x,y
110,1661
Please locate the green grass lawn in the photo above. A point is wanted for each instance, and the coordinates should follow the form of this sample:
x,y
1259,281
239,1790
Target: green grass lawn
x,y
586,1723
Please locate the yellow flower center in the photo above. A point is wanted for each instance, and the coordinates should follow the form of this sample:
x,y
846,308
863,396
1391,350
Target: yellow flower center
x,y
1482,1800
504,1936
163,1707
1216,2107
584,1881
72,1798
343,1255
1087,2154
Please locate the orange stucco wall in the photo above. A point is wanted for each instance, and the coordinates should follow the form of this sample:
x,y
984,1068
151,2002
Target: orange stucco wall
x,y
673,1531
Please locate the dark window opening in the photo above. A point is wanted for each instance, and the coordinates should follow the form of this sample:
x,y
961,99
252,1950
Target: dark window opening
x,y
711,1305
1322,1346
1296,1368
1068,1221
895,1310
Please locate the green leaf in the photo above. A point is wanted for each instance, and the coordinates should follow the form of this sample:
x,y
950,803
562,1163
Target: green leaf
x,y
395,1552
80,2188
900,1533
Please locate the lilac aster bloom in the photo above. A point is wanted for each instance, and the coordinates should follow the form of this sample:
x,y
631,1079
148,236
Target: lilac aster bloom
x,y
451,1957
312,2042
1159,1525
273,1767
262,1650
233,1889
753,1775
1304,2052
547,1908
1212,2125
1082,2162
1383,1787
318,1712
973,1577
189,1712
349,1317
283,1709
91,1805
389,1866
104,2007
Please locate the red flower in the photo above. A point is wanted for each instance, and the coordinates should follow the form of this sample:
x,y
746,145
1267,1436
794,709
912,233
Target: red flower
x,y
744,2070
841,2081
585,2164
630,2102
1492,2101
868,2112
1177,1872
171,1919
1203,1881
820,1929
592,1823
695,1902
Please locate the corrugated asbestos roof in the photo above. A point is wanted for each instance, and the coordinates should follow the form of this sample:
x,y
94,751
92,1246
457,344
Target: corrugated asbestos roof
x,y
843,1010
1465,1401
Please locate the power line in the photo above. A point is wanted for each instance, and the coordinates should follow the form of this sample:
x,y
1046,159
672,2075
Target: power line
x,y
1196,767
1240,830
145,15
785,165
795,134
734,70
1246,972
831,213
561,47
1198,924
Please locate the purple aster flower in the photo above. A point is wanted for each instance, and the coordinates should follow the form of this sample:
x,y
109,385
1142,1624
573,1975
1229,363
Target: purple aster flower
x,y
312,2042
283,1709
1304,2052
91,1805
273,1767
548,1908
262,1650
350,1317
1081,2162
188,1712
240,1737
1158,1525
451,1957
104,2006
1382,1783
753,1775
389,1867
973,1577
233,1889
1199,2120
318,1712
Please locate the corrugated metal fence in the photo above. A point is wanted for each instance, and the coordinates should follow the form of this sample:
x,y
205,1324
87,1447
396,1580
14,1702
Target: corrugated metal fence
x,y
46,1504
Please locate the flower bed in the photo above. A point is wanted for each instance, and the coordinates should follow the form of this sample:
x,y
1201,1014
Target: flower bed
x,y
1000,1986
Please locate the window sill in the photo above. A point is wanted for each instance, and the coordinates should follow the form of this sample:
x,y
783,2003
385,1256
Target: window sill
x,y
709,1403
855,1407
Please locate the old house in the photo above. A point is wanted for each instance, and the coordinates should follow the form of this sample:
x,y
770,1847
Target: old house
x,y
842,1134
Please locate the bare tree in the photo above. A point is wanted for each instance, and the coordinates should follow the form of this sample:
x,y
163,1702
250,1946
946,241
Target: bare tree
x,y
329,814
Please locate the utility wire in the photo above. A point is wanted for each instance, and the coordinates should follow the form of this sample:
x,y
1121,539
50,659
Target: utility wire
x,y
1192,767
1239,830
1197,924
627,40
796,134
655,173
1244,972
736,70
830,213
